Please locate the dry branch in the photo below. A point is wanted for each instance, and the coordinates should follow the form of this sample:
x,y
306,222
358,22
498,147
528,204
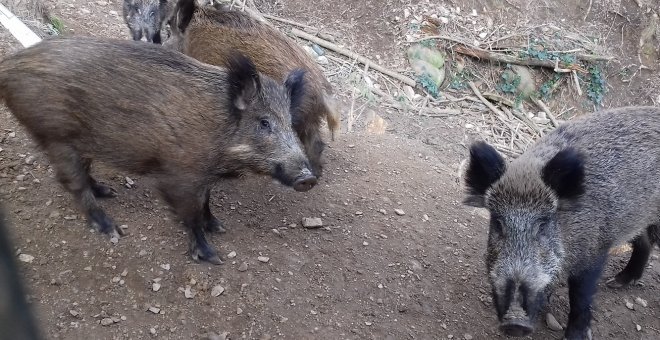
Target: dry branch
x,y
324,43
504,58
290,22
547,111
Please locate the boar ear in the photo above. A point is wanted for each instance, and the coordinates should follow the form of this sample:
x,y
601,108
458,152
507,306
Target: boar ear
x,y
564,173
485,168
184,13
295,85
243,82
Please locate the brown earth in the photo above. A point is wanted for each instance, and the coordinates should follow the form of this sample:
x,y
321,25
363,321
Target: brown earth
x,y
371,274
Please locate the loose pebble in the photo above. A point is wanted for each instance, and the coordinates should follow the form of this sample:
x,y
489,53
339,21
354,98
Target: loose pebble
x,y
552,322
243,267
399,212
312,222
189,293
231,255
165,266
641,302
630,305
155,287
26,258
638,327
154,310
239,311
263,259
106,322
217,290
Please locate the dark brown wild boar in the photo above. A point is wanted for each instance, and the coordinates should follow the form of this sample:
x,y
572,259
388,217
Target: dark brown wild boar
x,y
210,35
84,99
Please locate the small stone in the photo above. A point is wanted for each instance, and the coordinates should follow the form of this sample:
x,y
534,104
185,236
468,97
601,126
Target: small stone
x,y
239,310
263,259
26,258
142,253
383,211
380,286
231,255
552,322
365,243
154,310
425,217
630,305
54,214
323,60
482,35
155,287
124,273
49,202
74,313
12,134
467,336
114,13
313,312
243,267
368,323
189,293
312,222
217,290
114,240
29,160
116,279
20,178
444,20
165,266
71,217
106,322
88,268
638,327
358,213
399,212
129,181
641,302
152,331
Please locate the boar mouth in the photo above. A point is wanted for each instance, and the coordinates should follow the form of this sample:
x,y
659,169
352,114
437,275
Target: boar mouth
x,y
303,181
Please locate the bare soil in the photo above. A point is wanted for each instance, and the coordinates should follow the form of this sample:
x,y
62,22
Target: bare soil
x,y
370,274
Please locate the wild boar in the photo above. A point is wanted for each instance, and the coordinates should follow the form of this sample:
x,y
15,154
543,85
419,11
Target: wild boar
x,y
211,34
182,122
147,18
557,210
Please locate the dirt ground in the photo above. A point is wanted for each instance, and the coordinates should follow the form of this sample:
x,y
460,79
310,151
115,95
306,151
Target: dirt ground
x,y
370,274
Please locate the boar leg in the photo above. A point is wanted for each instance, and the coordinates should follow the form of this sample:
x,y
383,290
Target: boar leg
x,y
633,271
581,289
188,203
99,190
71,172
212,224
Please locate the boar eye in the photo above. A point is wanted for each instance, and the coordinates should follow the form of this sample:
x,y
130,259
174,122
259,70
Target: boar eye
x,y
152,14
264,124
497,225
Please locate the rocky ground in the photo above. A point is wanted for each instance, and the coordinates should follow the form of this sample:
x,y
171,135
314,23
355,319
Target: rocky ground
x,y
397,256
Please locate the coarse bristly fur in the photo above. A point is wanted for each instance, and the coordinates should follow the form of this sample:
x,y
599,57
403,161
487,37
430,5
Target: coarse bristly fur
x,y
558,209
209,34
148,110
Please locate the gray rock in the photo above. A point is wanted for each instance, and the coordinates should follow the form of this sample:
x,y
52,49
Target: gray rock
x,y
312,222
552,323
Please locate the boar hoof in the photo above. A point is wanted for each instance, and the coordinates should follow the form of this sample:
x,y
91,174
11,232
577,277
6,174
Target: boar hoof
x,y
587,335
215,226
103,191
207,255
103,224
622,281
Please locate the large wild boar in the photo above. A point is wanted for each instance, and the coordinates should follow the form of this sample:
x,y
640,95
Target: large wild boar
x,y
147,18
184,123
211,34
16,319
557,210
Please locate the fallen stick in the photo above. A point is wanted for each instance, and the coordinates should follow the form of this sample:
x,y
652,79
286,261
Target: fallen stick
x,y
324,43
504,58
290,22
547,111
525,120
485,101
